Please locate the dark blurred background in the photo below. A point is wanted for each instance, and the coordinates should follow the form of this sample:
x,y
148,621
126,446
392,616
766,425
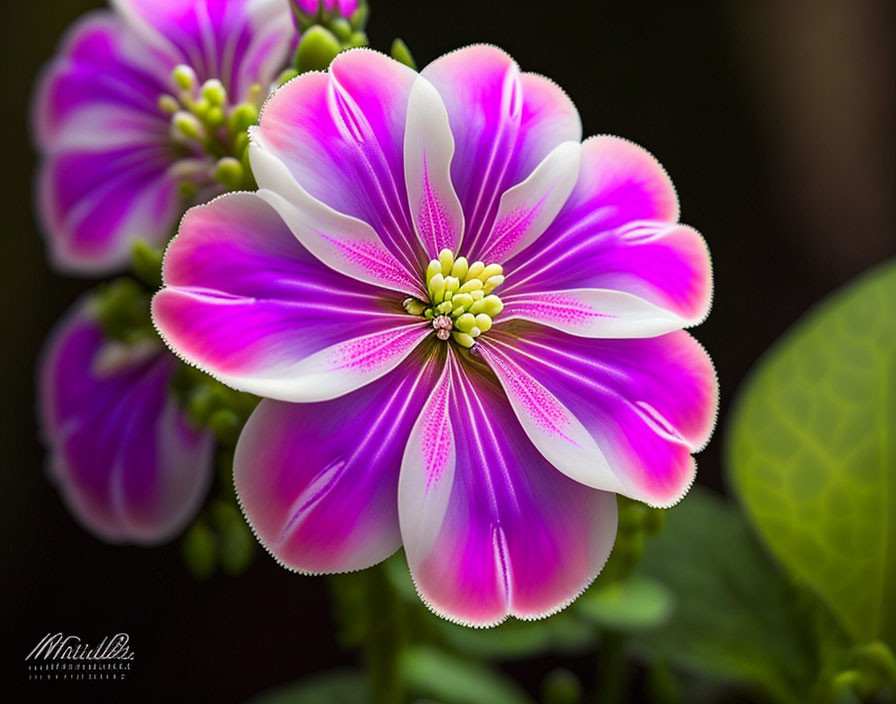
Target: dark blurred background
x,y
775,119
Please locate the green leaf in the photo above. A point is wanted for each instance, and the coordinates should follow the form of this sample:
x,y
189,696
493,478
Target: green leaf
x,y
449,679
633,604
334,687
812,452
734,615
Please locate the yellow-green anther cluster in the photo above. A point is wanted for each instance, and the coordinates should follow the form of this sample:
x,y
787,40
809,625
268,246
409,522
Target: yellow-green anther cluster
x,y
202,116
461,301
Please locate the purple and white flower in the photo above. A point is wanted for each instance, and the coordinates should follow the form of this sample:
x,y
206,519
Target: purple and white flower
x,y
467,324
135,113
128,464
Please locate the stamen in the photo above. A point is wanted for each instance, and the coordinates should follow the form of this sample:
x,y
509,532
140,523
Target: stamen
x,y
461,303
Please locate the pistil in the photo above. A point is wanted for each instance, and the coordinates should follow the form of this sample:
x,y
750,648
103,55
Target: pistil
x,y
461,303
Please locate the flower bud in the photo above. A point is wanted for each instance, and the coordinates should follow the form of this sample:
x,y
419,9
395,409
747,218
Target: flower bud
x,y
317,49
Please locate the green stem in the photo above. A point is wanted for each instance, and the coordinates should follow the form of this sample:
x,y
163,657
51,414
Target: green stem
x,y
612,669
384,640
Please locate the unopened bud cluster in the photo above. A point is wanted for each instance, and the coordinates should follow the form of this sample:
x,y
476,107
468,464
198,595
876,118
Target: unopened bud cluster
x,y
205,124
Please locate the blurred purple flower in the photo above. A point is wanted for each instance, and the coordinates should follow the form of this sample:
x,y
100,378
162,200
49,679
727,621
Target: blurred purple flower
x,y
117,153
501,396
121,452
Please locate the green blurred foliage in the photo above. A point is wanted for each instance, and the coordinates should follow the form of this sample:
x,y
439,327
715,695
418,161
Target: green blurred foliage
x,y
450,679
734,614
812,453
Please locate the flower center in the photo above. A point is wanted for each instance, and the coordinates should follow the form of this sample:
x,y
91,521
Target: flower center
x,y
205,124
461,303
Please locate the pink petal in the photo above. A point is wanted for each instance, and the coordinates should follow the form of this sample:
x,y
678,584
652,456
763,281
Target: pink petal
x,y
592,312
105,182
246,302
342,242
341,136
529,207
490,528
318,481
101,90
428,149
646,405
617,231
122,453
240,42
95,204
504,124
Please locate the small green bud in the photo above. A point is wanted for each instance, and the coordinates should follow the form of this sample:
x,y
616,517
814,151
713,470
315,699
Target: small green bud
x,y
286,76
184,77
213,91
317,49
187,190
198,550
356,40
188,125
147,263
242,117
168,104
402,54
225,424
230,173
235,542
214,118
200,406
341,28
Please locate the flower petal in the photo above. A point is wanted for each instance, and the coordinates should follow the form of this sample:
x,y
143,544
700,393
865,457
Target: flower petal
x,y
102,89
341,136
125,460
646,404
428,148
342,242
95,204
317,481
529,207
617,231
239,42
490,528
504,124
247,303
591,312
